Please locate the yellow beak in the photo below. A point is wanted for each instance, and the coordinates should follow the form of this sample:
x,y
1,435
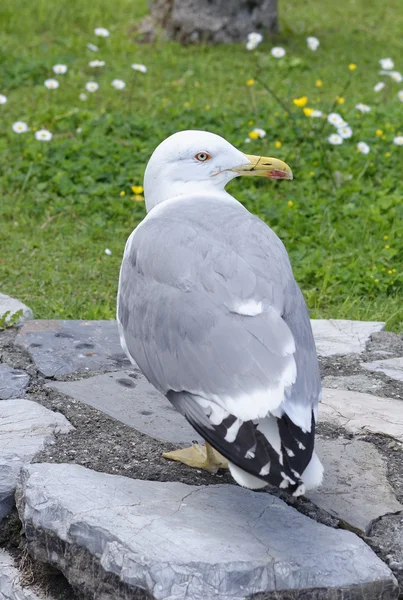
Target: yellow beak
x,y
265,167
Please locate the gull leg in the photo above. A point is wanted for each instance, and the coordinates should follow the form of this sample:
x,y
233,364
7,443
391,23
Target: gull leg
x,y
199,457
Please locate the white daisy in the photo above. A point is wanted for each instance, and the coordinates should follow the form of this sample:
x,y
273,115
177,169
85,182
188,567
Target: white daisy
x,y
92,47
379,86
400,95
345,132
43,135
387,63
316,113
108,252
91,86
335,139
247,140
395,75
96,63
83,97
261,132
254,39
277,52
363,147
20,127
59,69
3,99
364,108
313,43
118,84
101,32
336,120
141,68
398,140
51,84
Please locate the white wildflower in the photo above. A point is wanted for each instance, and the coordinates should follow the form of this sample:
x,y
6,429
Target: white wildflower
x,y
83,96
387,63
91,86
43,135
364,108
141,68
78,130
101,32
316,113
20,127
335,139
3,99
336,120
247,140
398,140
345,132
118,84
363,147
261,132
254,39
400,95
379,86
51,84
108,252
59,69
277,52
92,47
313,43
96,63
395,75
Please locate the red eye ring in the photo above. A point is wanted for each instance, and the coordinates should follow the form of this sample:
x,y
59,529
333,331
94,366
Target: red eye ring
x,y
202,156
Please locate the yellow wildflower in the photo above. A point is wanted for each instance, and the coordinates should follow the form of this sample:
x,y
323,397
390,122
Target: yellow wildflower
x,y
312,174
387,246
137,189
186,104
318,83
340,100
39,155
390,272
300,101
290,203
251,122
250,81
379,132
308,111
207,107
278,144
253,135
352,67
385,237
393,270
122,193
376,280
387,154
138,198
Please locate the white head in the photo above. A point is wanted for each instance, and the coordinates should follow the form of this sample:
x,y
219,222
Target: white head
x,y
188,162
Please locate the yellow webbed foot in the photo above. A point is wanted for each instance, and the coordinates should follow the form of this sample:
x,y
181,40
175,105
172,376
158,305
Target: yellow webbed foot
x,y
199,457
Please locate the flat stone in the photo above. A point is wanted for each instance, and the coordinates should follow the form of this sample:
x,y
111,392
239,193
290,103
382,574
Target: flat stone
x,y
13,382
362,413
12,305
342,337
392,367
65,347
111,534
355,488
10,586
387,534
25,428
356,383
130,398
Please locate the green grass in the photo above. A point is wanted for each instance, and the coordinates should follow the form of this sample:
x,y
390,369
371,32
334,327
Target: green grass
x,y
60,201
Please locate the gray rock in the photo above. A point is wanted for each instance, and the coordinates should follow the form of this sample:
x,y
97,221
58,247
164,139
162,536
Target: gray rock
x,y
180,542
130,398
13,382
387,535
356,383
343,337
12,305
65,347
392,367
10,586
362,413
355,487
25,428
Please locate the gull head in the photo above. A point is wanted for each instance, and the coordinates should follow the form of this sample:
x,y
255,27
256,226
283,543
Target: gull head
x,y
190,162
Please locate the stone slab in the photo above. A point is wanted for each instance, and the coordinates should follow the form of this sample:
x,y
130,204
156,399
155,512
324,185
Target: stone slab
x,y
10,586
13,382
355,488
341,336
362,413
392,367
356,383
12,305
180,542
130,398
65,347
25,428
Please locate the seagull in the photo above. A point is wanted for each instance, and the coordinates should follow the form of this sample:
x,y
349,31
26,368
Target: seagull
x,y
209,310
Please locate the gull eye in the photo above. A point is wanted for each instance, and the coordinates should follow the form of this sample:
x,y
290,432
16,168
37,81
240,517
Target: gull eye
x,y
202,156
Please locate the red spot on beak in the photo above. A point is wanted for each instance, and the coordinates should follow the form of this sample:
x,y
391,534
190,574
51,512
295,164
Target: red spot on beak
x,y
277,174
